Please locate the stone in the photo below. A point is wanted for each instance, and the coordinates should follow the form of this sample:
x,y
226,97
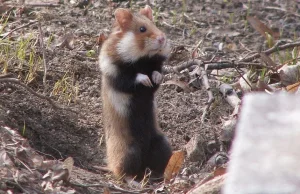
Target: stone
x,y
211,187
195,149
265,154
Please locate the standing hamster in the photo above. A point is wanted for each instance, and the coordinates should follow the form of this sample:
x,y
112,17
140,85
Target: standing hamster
x,y
131,62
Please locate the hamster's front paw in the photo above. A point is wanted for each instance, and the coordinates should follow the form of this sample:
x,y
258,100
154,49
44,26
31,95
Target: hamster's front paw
x,y
143,79
157,77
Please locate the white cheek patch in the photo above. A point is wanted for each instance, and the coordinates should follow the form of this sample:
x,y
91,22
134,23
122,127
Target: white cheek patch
x,y
120,101
128,49
106,66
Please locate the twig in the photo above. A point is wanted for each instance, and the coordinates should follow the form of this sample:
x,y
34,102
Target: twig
x,y
211,98
242,76
18,28
245,47
232,98
229,64
171,26
196,48
210,65
24,165
112,187
42,5
205,82
16,81
182,66
271,50
41,37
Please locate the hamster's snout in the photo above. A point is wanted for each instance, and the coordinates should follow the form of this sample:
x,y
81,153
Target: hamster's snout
x,y
161,39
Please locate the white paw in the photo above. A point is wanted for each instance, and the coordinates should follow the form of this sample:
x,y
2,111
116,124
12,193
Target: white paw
x,y
143,79
157,77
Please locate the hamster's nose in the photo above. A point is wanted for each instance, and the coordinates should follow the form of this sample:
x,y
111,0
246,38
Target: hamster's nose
x,y
161,39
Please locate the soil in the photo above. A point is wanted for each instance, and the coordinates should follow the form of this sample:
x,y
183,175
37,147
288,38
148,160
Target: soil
x,y
58,134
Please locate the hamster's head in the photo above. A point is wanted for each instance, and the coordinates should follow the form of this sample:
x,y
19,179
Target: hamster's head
x,y
138,35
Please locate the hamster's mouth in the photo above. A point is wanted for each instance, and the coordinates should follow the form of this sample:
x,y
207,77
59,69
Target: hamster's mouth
x,y
159,47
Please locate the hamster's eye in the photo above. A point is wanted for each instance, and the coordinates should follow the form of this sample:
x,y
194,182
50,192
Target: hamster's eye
x,y
143,29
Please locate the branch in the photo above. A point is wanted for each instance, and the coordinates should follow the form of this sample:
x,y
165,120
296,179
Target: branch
x,y
271,50
16,81
228,126
184,65
42,5
210,65
232,64
211,98
18,28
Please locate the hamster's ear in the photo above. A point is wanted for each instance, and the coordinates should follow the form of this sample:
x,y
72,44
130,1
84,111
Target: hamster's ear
x,y
123,18
147,11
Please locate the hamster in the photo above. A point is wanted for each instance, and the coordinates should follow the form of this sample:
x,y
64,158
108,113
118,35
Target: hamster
x,y
131,60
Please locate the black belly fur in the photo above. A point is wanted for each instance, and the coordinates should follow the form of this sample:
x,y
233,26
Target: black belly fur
x,y
154,150
141,113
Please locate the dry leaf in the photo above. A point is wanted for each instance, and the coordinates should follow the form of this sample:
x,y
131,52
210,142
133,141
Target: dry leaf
x,y
68,164
219,171
174,164
293,88
181,84
261,27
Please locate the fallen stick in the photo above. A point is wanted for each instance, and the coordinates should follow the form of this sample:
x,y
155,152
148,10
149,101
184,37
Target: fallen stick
x,y
42,5
16,81
18,28
210,65
271,50
232,98
211,98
